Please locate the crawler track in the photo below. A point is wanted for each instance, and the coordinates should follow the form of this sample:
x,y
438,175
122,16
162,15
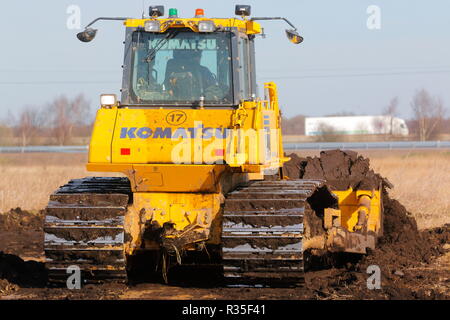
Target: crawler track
x,y
84,227
263,230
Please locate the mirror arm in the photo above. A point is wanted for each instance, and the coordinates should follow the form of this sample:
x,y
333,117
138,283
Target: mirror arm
x,y
275,18
106,18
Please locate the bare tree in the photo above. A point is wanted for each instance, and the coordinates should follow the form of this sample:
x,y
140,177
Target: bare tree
x,y
294,125
7,129
326,132
379,125
391,111
29,123
428,112
64,114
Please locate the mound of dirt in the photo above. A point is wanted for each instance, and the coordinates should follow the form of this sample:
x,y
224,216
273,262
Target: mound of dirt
x,y
341,169
401,247
399,225
294,168
18,219
427,245
405,267
345,169
20,272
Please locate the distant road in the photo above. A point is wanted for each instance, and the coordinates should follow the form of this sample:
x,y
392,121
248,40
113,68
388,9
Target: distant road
x,y
45,149
367,145
287,146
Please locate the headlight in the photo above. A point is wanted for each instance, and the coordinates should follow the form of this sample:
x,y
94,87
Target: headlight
x,y
206,26
152,26
108,100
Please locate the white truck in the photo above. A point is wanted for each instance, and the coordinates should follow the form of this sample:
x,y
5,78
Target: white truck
x,y
352,125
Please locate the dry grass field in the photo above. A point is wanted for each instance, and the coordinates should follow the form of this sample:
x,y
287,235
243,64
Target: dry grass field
x,y
421,183
29,178
421,179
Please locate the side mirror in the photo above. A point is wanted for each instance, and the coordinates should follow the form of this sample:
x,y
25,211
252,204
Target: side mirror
x,y
294,37
87,35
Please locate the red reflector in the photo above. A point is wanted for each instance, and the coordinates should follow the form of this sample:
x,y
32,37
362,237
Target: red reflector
x,y
125,151
219,152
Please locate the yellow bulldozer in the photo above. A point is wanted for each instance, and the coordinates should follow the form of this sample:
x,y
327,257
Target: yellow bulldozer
x,y
201,156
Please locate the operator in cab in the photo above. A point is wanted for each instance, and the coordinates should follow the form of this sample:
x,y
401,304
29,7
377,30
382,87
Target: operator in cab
x,y
186,77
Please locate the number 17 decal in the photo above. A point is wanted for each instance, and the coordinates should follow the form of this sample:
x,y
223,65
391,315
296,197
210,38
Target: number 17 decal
x,y
176,118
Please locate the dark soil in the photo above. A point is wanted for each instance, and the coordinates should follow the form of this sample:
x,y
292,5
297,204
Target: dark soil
x,y
21,233
18,219
341,170
402,244
20,272
25,278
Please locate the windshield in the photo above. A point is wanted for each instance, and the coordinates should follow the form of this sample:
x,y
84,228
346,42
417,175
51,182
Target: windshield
x,y
182,68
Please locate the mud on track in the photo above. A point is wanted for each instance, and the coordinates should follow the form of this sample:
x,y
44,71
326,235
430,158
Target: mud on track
x,y
415,264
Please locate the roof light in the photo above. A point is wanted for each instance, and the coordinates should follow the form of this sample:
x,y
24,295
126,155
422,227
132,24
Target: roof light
x,y
108,100
152,26
206,26
156,11
173,13
199,13
242,10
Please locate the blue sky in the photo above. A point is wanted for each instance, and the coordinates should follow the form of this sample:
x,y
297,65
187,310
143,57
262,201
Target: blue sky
x,y
341,66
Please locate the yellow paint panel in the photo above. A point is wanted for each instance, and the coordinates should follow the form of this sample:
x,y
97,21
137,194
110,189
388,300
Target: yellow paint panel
x,y
156,145
176,178
349,206
150,137
187,149
187,211
102,135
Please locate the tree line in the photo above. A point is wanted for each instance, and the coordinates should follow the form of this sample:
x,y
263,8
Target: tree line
x,y
65,118
428,117
61,120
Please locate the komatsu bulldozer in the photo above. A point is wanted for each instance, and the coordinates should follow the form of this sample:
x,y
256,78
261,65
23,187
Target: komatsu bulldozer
x,y
200,155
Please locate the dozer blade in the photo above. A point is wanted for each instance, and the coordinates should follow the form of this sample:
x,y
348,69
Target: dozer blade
x,y
263,230
84,228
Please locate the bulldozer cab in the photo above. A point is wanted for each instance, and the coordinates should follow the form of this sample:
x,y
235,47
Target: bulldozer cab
x,y
181,67
189,96
189,62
